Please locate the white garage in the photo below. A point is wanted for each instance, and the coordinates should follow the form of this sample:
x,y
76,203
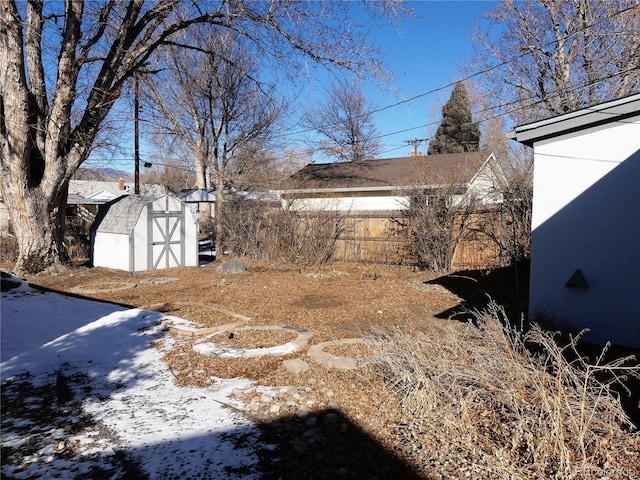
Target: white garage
x,y
136,233
585,242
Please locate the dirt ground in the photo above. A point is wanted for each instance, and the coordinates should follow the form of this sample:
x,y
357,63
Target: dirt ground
x,y
335,302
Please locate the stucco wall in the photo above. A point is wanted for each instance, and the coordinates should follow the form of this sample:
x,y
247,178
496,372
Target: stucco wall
x,y
349,203
586,215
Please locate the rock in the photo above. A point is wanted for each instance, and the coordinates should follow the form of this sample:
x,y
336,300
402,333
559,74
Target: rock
x,y
295,365
299,447
232,267
331,418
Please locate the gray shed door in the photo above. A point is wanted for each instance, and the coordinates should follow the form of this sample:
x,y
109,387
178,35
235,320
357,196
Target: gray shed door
x,y
166,234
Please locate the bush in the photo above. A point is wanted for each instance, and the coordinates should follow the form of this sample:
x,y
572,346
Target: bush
x,y
8,251
488,402
271,234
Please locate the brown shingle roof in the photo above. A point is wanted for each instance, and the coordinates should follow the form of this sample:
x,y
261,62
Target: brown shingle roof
x,y
390,172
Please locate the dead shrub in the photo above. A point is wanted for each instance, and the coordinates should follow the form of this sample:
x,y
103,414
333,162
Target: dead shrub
x,y
488,404
8,250
291,237
264,233
242,224
436,222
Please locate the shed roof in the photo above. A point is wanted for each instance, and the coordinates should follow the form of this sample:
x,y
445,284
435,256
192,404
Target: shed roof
x,y
600,114
121,215
391,172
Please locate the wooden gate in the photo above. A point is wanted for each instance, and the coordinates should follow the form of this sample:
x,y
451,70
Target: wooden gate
x,y
166,235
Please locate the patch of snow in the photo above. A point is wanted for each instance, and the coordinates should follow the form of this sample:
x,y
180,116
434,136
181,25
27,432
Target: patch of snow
x,y
130,394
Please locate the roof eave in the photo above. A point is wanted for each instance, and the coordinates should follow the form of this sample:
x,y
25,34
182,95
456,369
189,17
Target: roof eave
x,y
366,189
579,120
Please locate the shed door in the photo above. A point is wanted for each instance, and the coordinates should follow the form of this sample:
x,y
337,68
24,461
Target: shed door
x,y
166,236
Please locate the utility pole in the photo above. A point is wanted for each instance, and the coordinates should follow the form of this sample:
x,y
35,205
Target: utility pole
x,y
136,141
415,142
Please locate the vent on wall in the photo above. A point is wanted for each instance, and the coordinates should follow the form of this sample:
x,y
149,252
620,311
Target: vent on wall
x,y
577,280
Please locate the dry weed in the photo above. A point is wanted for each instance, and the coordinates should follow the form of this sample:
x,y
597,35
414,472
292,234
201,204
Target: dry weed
x,y
500,403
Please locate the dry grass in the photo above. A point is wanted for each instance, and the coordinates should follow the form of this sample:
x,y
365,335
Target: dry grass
x,y
507,404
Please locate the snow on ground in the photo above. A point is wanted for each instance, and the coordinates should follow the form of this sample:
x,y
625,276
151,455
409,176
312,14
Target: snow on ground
x,y
131,417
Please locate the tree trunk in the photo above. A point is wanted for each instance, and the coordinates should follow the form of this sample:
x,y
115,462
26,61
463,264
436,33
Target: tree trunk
x,y
219,179
39,227
203,182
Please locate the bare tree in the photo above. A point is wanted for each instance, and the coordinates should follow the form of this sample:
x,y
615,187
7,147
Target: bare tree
x,y
551,57
212,100
51,116
174,175
345,123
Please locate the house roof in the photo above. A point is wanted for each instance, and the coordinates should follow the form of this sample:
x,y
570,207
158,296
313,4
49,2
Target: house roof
x,y
121,215
432,170
197,195
98,189
593,116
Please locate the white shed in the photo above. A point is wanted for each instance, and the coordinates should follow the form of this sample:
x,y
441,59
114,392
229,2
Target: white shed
x,y
136,233
585,243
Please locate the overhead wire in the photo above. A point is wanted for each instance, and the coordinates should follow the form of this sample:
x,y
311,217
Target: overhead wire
x,y
469,77
473,75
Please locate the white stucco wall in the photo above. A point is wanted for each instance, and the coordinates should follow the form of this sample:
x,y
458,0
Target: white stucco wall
x,y
349,203
586,215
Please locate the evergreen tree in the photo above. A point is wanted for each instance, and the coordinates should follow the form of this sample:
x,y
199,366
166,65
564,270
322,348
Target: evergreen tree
x,y
456,133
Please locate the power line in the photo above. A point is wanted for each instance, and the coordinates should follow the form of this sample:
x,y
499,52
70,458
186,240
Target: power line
x,y
473,75
478,73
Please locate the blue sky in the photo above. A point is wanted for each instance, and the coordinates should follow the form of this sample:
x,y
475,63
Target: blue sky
x,y
425,54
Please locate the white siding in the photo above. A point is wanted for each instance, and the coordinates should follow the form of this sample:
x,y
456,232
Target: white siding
x,y
111,250
485,187
140,239
586,215
122,240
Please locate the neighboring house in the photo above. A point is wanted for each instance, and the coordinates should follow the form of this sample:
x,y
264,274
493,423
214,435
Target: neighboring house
x,y
95,191
200,197
99,191
84,196
388,184
371,197
585,252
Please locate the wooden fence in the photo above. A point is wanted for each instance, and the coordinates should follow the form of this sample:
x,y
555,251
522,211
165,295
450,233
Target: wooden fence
x,y
381,237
